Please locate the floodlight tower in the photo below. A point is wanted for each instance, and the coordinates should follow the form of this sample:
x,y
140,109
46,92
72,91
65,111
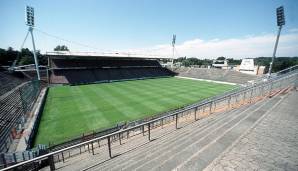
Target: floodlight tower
x,y
280,17
173,47
30,24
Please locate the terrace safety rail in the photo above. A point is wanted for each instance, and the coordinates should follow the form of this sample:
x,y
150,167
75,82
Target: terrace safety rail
x,y
244,95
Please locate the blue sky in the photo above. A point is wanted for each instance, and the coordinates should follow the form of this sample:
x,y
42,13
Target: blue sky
x,y
147,25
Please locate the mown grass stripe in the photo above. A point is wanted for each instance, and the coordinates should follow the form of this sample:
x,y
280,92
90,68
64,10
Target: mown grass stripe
x,y
73,110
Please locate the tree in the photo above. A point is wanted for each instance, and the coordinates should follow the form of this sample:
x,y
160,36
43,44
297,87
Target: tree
x,y
61,48
26,57
9,56
232,61
180,59
221,58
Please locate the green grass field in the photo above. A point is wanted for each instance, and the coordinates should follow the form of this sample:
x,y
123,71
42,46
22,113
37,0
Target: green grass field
x,y
71,111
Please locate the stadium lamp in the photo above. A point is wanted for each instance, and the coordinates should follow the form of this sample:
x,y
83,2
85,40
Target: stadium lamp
x,y
29,16
30,22
280,17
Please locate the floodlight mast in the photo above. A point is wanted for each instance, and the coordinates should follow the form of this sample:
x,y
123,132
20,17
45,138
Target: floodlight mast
x,y
280,22
30,23
173,48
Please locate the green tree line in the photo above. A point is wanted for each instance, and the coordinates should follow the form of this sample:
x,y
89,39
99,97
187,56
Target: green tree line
x,y
25,56
280,63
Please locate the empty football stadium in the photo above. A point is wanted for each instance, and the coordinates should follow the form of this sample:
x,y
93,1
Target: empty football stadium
x,y
105,109
73,110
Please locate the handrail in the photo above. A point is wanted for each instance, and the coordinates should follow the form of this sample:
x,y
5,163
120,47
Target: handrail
x,y
281,71
148,122
287,69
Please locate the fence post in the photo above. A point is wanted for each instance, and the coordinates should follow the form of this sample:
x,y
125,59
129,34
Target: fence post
x,y
214,108
23,156
229,102
196,113
109,145
58,158
250,95
162,123
120,138
176,120
15,158
51,162
243,97
62,156
149,132
210,108
92,148
143,129
263,90
271,84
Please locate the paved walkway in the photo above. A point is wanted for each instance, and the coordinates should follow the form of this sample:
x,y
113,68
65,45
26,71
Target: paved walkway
x,y
271,145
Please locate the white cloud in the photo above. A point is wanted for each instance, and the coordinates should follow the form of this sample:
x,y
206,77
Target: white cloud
x,y
248,46
293,30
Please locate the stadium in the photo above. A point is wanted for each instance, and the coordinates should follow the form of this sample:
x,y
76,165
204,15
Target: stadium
x,y
109,105
127,111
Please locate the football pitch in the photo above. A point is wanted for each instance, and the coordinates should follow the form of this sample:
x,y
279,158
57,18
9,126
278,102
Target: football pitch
x,y
71,111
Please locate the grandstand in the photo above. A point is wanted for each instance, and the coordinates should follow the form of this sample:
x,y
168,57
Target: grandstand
x,y
16,101
215,74
86,69
9,81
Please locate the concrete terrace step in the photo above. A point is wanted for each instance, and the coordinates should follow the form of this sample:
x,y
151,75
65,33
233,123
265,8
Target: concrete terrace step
x,y
181,153
200,159
272,144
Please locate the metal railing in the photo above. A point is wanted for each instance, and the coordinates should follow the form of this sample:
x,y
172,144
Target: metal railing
x,y
232,99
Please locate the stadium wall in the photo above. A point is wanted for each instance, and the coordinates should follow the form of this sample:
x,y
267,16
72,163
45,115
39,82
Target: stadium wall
x,y
36,120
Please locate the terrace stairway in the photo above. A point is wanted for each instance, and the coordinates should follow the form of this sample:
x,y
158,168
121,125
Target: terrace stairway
x,y
193,146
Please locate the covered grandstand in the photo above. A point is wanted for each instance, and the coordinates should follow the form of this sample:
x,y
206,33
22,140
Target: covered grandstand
x,y
77,69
